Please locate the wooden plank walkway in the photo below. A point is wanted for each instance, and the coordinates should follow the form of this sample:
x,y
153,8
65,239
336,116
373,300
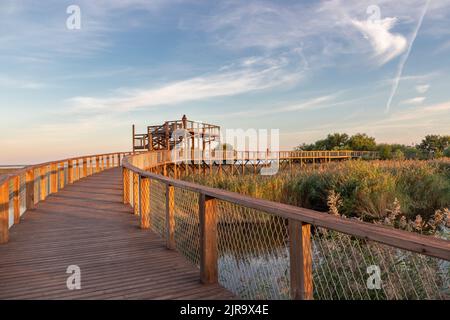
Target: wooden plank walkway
x,y
87,225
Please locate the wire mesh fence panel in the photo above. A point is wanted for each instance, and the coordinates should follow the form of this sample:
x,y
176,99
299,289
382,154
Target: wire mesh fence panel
x,y
47,179
11,203
158,207
22,194
37,185
131,187
253,252
346,267
187,225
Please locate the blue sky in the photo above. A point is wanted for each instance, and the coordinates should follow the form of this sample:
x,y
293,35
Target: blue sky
x,y
307,68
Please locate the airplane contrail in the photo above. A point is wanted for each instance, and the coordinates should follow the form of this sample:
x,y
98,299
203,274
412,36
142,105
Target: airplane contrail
x,y
405,57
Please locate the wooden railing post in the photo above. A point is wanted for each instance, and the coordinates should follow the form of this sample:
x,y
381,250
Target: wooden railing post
x,y
70,171
170,216
43,184
208,239
77,171
135,193
108,164
30,189
4,213
126,185
16,200
89,163
300,260
61,175
85,170
97,165
145,202
54,178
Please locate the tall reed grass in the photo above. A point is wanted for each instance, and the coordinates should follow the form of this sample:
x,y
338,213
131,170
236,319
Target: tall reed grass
x,y
403,193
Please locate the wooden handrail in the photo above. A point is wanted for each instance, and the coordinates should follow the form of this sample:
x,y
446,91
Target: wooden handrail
x,y
23,170
55,170
410,241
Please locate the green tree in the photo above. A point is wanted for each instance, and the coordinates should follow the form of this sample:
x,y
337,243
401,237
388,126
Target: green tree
x,y
411,153
333,141
362,142
385,151
434,144
336,141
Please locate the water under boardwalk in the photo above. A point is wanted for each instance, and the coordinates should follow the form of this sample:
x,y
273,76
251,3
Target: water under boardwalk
x,y
86,224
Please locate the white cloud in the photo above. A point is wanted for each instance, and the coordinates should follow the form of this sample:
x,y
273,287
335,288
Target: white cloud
x,y
323,29
242,78
386,45
416,100
423,88
15,83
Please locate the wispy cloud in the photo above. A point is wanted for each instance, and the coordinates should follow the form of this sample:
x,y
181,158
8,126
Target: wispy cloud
x,y
16,83
422,88
264,74
416,100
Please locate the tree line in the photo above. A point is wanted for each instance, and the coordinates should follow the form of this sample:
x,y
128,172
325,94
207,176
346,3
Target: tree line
x,y
431,146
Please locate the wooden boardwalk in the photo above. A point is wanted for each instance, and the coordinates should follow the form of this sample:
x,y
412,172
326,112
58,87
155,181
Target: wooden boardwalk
x,y
86,224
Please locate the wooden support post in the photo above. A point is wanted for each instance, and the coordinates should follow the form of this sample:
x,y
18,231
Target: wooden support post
x,y
78,171
70,171
108,163
149,139
4,213
16,200
97,164
167,135
208,239
192,150
145,203
43,186
126,185
170,217
30,189
61,175
132,136
300,260
91,166
135,193
85,169
54,178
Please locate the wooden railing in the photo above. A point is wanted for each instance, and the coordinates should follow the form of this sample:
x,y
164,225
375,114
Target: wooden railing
x,y
19,187
32,184
139,173
233,155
